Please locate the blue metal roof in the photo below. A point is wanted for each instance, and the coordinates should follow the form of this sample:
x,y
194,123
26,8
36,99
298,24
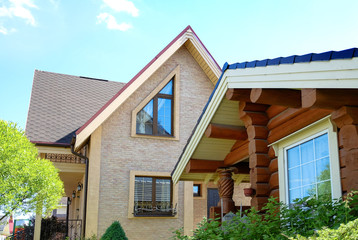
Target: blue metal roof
x,y
311,57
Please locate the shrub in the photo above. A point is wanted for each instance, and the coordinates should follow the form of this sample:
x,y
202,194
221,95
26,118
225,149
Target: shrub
x,y
278,221
114,232
344,232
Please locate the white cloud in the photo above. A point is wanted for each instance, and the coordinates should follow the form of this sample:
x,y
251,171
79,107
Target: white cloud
x,y
6,31
19,8
112,22
122,6
3,30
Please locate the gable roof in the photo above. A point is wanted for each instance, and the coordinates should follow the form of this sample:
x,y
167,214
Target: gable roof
x,y
323,70
190,40
310,57
61,103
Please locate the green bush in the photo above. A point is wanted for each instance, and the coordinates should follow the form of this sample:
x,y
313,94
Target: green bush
x,y
344,232
114,232
278,221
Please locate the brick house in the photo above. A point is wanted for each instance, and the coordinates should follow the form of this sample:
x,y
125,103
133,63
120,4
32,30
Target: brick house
x,y
115,144
289,126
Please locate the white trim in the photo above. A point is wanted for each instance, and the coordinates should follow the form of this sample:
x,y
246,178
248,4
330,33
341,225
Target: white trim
x,y
330,74
200,130
310,132
107,112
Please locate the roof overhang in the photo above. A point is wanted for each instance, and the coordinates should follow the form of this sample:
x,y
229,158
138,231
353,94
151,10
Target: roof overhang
x,y
188,38
328,74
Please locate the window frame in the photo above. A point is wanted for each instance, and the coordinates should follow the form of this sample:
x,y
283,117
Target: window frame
x,y
314,136
156,214
156,110
200,193
307,133
175,76
159,175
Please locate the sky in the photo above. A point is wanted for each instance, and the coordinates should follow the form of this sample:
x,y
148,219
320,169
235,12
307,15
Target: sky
x,y
115,39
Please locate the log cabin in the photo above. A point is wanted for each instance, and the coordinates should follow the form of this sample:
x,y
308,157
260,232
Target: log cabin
x,y
288,126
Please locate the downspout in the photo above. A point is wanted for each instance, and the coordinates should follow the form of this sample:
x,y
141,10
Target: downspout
x,y
86,182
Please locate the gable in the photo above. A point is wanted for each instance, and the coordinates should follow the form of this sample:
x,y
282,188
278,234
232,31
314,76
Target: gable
x,y
186,35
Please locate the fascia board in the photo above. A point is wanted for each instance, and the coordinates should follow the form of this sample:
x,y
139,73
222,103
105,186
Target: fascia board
x,y
331,74
207,57
200,130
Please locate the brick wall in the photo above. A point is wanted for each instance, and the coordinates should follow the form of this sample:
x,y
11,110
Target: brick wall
x,y
122,153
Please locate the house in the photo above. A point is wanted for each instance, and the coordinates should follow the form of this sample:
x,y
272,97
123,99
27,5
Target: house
x,y
289,125
115,144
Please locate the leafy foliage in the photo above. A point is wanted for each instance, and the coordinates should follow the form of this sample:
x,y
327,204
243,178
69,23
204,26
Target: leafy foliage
x,y
114,232
27,182
278,221
344,232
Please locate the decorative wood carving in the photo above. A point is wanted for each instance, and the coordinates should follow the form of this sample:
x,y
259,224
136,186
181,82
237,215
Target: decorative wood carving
x,y
226,190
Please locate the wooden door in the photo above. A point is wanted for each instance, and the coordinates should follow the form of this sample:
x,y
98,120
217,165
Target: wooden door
x,y
213,199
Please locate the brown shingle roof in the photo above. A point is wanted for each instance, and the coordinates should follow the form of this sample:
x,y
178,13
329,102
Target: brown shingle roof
x,y
60,104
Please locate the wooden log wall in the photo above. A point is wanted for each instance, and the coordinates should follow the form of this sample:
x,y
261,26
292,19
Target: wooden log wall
x,y
256,119
346,119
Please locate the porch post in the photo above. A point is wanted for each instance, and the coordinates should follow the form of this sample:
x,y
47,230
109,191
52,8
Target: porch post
x,y
37,230
226,190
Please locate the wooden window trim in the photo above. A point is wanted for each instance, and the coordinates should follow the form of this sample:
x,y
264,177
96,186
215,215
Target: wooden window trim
x,y
175,75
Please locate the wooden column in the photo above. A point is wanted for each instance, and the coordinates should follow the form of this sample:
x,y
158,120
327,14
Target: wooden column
x,y
256,119
346,119
226,190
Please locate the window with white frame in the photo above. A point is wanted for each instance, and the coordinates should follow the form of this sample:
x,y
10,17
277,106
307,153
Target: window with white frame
x,y
308,163
308,168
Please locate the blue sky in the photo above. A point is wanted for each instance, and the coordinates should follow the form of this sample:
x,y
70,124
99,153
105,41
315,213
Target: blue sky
x,y
114,39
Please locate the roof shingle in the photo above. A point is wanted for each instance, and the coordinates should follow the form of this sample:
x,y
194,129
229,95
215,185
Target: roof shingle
x,y
60,104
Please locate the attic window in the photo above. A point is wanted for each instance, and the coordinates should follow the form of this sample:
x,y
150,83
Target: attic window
x,y
157,115
156,118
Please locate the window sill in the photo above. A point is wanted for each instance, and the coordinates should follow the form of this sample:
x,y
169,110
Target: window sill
x,y
171,138
153,217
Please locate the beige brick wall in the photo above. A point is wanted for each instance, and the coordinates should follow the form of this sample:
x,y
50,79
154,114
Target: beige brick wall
x,y
122,153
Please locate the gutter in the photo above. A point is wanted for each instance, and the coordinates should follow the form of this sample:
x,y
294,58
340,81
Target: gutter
x,y
86,182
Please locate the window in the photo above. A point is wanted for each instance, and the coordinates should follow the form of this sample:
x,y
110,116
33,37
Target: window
x,y
157,115
308,163
308,168
152,194
156,118
197,190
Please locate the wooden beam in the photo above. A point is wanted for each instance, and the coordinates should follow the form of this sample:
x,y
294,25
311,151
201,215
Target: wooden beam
x,y
203,166
252,107
296,123
237,155
273,111
329,98
282,97
226,132
235,94
285,116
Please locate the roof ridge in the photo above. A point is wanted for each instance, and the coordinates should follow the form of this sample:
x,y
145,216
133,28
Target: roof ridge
x,y
309,57
83,77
